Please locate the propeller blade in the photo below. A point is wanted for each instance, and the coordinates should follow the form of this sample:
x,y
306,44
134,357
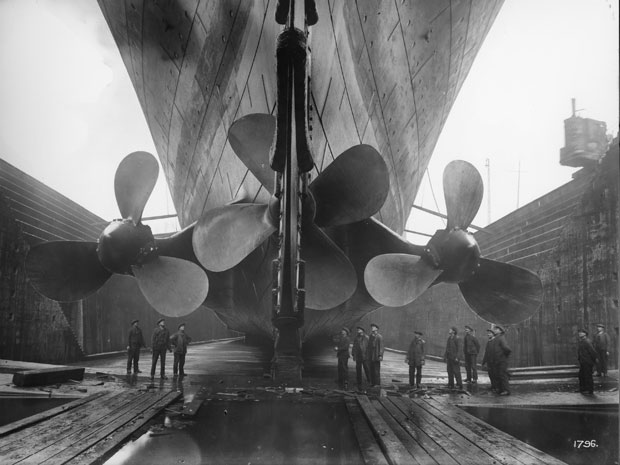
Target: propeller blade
x,y
330,277
226,235
251,137
65,271
463,189
352,188
502,293
133,183
172,286
397,279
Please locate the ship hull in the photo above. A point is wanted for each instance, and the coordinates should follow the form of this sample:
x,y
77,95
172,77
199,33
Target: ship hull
x,y
383,75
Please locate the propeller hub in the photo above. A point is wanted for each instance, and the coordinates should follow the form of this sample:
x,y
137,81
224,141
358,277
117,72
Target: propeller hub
x,y
123,244
454,251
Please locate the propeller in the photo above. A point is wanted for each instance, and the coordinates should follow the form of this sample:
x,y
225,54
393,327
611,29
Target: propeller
x,y
498,292
352,188
73,270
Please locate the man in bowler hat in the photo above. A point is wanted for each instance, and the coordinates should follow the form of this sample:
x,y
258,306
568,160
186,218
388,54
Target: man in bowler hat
x,y
343,352
471,347
601,345
374,354
135,341
501,352
488,359
451,356
360,345
179,341
586,355
415,359
160,342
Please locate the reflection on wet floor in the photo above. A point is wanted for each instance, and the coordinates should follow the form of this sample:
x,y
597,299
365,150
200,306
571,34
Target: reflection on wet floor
x,y
558,429
253,431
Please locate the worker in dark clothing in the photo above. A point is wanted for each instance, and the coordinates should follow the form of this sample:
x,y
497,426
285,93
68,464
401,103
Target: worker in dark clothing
x,y
179,341
451,356
415,359
471,348
160,342
374,354
586,355
135,341
601,345
343,352
501,352
488,361
360,345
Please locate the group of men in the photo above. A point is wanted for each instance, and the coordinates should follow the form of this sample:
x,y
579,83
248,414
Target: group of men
x,y
590,356
365,350
161,341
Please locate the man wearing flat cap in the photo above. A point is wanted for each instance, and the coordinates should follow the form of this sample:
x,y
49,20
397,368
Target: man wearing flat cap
x,y
601,345
451,356
179,341
160,342
360,345
471,348
415,359
586,355
343,352
135,341
374,354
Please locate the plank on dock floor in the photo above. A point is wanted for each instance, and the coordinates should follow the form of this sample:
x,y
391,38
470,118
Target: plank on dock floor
x,y
100,424
371,452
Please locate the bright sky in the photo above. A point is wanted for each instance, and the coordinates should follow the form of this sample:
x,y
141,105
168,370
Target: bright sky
x,y
69,113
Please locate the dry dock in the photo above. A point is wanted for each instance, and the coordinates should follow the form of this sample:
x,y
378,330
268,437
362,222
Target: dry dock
x,y
227,410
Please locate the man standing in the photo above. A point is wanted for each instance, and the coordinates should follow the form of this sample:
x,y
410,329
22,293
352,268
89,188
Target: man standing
x,y
415,359
586,355
489,361
451,356
601,345
471,347
501,352
343,352
160,342
374,354
360,345
179,341
135,341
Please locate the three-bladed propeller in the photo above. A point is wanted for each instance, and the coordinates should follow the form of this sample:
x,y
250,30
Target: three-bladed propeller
x,y
352,188
498,292
73,270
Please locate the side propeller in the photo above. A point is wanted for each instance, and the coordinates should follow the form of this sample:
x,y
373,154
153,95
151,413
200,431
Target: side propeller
x,y
72,270
498,292
352,188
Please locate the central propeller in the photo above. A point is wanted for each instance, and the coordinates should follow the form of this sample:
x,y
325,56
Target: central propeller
x,y
498,292
73,270
352,188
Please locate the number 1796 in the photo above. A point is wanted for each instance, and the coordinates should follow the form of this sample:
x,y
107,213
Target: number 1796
x,y
578,444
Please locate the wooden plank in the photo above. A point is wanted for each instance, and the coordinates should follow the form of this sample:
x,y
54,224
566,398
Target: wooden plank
x,y
428,446
37,436
497,436
461,450
79,435
46,376
499,449
31,420
106,439
371,452
394,450
419,455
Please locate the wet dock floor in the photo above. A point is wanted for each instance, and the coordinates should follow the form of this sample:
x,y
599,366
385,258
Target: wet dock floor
x,y
248,418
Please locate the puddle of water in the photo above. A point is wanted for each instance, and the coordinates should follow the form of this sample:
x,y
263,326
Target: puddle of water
x,y
14,409
554,429
265,432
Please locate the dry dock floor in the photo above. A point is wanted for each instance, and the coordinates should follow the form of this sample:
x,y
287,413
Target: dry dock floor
x,y
228,410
